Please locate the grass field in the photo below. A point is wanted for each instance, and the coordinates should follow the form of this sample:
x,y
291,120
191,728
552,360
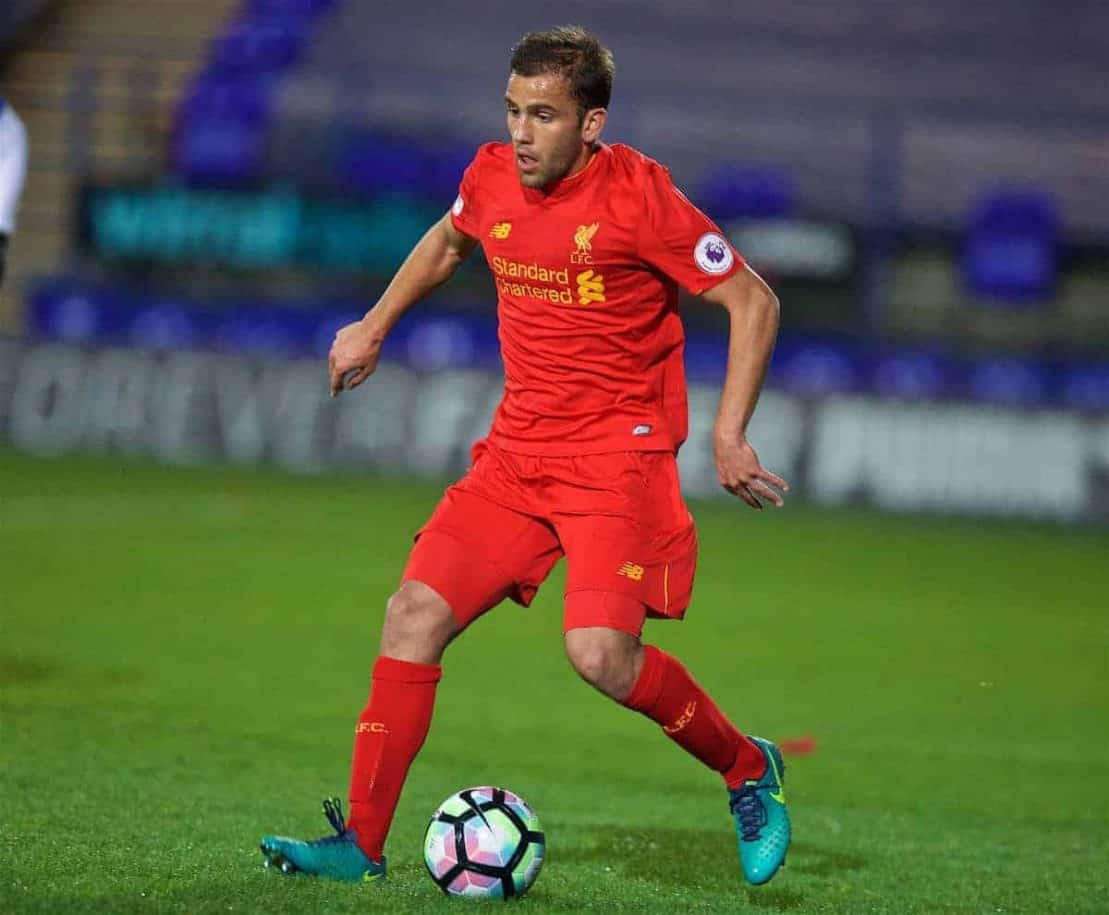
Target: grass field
x,y
183,655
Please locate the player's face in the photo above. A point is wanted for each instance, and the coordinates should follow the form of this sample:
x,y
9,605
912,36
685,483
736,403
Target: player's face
x,y
550,139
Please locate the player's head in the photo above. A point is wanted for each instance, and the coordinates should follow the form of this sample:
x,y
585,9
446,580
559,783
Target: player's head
x,y
559,86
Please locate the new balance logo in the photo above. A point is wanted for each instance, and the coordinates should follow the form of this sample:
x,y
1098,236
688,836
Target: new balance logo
x,y
591,287
632,571
500,230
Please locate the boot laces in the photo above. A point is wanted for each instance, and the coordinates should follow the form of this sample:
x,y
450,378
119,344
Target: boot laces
x,y
748,806
333,810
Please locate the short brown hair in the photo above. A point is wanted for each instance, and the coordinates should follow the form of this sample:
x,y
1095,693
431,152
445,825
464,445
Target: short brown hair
x,y
574,54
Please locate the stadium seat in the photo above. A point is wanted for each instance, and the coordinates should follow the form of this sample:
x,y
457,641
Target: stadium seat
x,y
1010,250
817,367
246,98
371,163
220,128
265,330
1086,387
1008,381
912,375
445,164
219,150
221,123
259,45
732,191
287,9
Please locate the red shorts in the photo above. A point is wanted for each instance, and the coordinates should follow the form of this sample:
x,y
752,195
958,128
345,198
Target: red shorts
x,y
619,519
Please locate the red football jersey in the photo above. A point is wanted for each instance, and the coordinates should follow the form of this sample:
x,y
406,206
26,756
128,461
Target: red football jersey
x,y
587,275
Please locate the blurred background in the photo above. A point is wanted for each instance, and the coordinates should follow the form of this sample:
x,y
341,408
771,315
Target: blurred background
x,y
214,186
196,543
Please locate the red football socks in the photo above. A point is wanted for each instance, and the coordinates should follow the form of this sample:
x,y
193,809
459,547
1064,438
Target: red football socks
x,y
668,695
389,734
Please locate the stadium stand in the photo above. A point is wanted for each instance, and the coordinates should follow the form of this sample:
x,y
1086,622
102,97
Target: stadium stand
x,y
15,15
860,113
950,95
110,70
221,127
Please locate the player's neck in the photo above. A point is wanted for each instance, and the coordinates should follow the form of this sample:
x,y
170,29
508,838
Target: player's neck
x,y
581,163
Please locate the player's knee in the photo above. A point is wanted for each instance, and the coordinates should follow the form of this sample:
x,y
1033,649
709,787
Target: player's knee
x,y
418,624
605,659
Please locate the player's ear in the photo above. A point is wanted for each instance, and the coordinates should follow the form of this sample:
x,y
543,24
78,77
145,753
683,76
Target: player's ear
x,y
592,123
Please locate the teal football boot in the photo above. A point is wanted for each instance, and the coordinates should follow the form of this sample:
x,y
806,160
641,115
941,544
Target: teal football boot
x,y
337,856
761,819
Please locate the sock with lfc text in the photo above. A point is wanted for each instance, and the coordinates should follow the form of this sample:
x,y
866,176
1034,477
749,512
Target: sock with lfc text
x,y
667,694
389,734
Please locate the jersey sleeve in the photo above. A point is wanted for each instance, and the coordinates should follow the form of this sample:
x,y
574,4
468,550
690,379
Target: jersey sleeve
x,y
466,210
679,240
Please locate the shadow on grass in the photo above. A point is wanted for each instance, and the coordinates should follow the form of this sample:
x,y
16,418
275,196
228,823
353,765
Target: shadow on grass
x,y
777,899
15,669
21,670
698,860
822,862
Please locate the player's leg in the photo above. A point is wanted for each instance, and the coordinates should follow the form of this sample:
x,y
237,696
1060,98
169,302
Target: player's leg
x,y
654,683
387,737
621,570
658,686
751,767
470,556
392,727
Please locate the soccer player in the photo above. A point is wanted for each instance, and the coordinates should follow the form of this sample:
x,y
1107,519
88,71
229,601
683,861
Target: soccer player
x,y
13,170
587,243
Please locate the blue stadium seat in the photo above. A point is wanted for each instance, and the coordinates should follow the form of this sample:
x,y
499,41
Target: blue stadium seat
x,y
1010,250
733,191
912,375
287,9
243,97
262,329
220,128
221,124
373,163
219,150
818,367
163,325
1008,381
259,45
1086,387
445,163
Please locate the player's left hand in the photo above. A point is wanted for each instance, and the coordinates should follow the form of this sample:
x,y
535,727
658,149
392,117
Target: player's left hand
x,y
739,472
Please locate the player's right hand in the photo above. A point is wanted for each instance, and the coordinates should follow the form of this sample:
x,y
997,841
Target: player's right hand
x,y
354,354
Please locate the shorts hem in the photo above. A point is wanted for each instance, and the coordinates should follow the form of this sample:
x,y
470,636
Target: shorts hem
x,y
465,602
583,617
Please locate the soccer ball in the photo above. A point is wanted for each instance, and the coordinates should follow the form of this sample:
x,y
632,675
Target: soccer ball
x,y
484,842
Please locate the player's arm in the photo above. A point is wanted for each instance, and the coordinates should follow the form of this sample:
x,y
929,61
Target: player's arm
x,y
753,310
431,263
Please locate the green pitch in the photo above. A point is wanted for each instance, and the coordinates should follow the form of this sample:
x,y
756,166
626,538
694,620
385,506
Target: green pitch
x,y
183,655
